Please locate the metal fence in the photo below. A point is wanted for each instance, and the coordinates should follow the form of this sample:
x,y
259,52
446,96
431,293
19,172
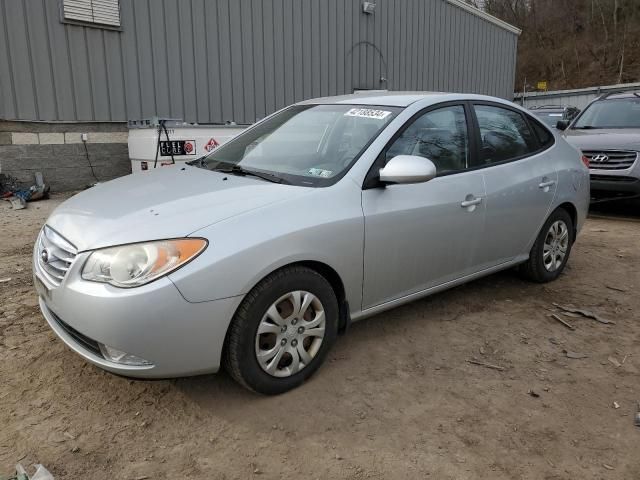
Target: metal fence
x,y
576,98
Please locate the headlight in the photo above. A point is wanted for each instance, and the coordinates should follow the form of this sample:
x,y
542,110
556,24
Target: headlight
x,y
134,265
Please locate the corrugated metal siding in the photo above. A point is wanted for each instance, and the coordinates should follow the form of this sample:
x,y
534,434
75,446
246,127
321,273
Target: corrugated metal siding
x,y
214,61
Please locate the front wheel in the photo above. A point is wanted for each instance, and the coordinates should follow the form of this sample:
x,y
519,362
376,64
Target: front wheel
x,y
282,331
551,249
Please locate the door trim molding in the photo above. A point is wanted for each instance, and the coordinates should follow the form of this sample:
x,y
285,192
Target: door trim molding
x,y
368,312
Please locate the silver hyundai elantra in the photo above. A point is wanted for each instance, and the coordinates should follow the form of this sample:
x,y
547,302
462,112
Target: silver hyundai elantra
x,y
326,212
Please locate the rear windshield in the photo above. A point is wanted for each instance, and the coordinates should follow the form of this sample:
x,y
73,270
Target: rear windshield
x,y
618,113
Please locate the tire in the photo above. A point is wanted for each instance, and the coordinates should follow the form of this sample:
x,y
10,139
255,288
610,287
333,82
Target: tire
x,y
540,268
270,306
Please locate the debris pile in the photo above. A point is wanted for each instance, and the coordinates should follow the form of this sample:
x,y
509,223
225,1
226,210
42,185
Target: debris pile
x,y
575,312
571,311
41,473
583,312
11,191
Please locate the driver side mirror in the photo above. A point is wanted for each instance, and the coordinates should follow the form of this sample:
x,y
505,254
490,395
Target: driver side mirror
x,y
404,169
562,124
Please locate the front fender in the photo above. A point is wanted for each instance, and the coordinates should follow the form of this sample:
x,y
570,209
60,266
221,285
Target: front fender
x,y
326,226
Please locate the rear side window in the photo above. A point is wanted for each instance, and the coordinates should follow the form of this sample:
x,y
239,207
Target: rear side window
x,y
542,134
504,134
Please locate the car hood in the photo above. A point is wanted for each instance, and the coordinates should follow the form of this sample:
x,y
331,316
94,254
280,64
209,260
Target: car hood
x,y
165,203
604,139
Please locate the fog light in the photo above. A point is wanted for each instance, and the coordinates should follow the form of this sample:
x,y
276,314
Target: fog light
x,y
118,356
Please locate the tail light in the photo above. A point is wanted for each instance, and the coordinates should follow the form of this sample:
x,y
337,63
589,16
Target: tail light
x,y
585,160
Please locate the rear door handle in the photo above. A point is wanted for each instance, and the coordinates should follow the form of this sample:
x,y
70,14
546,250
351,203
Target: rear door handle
x,y
547,184
472,202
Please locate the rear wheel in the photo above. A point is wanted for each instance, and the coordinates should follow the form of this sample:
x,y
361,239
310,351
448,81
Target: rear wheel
x,y
282,331
551,249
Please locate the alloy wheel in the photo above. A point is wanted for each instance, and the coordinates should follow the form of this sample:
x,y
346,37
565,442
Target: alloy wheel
x,y
555,247
290,333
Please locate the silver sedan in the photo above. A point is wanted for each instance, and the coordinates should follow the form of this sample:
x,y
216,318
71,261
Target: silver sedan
x,y
324,213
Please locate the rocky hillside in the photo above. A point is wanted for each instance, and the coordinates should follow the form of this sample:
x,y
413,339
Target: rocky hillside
x,y
573,43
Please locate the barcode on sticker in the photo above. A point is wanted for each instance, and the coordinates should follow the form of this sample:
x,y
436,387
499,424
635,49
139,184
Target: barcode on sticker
x,y
367,113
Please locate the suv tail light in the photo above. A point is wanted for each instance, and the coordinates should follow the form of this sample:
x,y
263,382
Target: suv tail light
x,y
585,160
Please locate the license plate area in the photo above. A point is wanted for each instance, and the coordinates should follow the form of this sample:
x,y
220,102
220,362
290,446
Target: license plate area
x,y
177,147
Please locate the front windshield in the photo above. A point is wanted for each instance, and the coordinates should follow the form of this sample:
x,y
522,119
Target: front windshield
x,y
619,113
549,118
311,145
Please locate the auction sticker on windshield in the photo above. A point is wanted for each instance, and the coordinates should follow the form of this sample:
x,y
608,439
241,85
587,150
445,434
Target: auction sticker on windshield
x,y
367,113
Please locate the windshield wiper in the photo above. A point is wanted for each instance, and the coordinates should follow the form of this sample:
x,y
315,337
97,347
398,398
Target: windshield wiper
x,y
198,162
585,127
238,170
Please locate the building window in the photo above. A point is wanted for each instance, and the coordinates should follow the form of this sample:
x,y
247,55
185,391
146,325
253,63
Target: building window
x,y
99,12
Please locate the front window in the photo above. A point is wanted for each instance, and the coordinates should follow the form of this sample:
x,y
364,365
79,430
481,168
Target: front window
x,y
439,135
310,145
619,113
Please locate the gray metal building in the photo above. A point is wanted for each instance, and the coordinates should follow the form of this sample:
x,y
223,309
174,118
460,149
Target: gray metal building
x,y
73,71
212,61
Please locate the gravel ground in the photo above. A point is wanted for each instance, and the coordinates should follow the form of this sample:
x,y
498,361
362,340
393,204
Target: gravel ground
x,y
397,398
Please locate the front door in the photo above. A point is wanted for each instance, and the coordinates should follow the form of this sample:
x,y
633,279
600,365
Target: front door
x,y
422,235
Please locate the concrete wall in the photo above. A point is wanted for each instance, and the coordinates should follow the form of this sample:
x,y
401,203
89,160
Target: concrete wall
x,y
212,61
56,150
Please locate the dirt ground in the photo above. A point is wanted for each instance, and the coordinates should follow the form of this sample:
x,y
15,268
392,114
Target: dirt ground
x,y
396,400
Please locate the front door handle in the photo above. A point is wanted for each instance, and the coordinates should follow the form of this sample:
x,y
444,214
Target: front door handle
x,y
471,202
547,184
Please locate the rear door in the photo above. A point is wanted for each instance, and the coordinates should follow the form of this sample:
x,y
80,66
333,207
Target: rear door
x,y
520,180
422,235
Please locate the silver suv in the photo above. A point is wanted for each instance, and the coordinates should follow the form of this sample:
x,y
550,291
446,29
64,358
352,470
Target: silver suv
x,y
608,134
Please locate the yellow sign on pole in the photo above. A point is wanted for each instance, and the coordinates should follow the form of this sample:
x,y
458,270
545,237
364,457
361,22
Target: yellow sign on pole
x,y
542,85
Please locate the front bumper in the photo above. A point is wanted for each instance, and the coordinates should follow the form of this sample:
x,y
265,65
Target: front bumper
x,y
153,322
615,184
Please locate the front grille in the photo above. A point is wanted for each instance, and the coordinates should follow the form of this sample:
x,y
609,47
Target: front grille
x,y
83,340
55,255
610,159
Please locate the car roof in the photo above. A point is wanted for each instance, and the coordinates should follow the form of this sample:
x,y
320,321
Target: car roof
x,y
542,111
620,95
394,99
550,107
